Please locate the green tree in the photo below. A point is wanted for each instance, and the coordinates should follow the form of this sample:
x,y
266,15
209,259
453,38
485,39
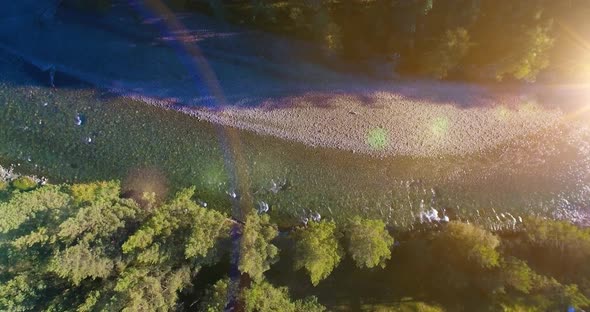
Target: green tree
x,y
32,207
317,250
257,253
369,242
517,274
465,245
96,191
216,297
530,55
203,229
264,297
84,248
564,246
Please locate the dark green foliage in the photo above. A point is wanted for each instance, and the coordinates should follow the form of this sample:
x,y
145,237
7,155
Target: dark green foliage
x,y
257,253
555,248
478,39
369,242
318,250
24,183
447,54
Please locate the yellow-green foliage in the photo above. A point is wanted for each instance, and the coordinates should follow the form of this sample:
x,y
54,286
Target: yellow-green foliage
x,y
257,253
96,191
318,250
79,262
99,220
466,244
531,57
203,227
369,242
23,207
264,297
24,184
20,293
58,239
3,186
149,290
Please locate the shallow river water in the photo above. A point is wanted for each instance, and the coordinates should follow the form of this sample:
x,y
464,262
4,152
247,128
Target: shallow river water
x,y
154,149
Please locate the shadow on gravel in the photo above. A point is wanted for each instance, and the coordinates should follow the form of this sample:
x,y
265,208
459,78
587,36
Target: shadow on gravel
x,y
147,55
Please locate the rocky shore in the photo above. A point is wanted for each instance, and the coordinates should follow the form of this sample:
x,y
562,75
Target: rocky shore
x,y
262,83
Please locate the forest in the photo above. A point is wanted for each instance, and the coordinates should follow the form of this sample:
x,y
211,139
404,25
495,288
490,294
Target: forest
x,y
88,247
473,40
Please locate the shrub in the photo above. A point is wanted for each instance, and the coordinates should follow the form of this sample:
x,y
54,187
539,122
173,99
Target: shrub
x,y
466,246
24,184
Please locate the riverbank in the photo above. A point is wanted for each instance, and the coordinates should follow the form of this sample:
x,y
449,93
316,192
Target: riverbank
x,y
383,123
265,84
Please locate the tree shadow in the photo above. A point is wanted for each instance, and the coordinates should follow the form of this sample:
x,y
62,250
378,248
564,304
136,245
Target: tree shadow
x,y
216,64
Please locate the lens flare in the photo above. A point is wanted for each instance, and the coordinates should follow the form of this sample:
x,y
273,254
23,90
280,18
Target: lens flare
x,y
502,112
140,182
378,138
439,126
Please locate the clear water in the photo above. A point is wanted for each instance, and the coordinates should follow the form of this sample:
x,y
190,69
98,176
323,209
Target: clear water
x,y
549,176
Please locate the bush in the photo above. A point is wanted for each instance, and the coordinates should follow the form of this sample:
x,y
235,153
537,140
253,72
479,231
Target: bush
x,y
24,184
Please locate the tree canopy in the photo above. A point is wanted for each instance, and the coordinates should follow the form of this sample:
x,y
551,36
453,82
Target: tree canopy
x,y
84,247
257,253
318,250
80,247
369,242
